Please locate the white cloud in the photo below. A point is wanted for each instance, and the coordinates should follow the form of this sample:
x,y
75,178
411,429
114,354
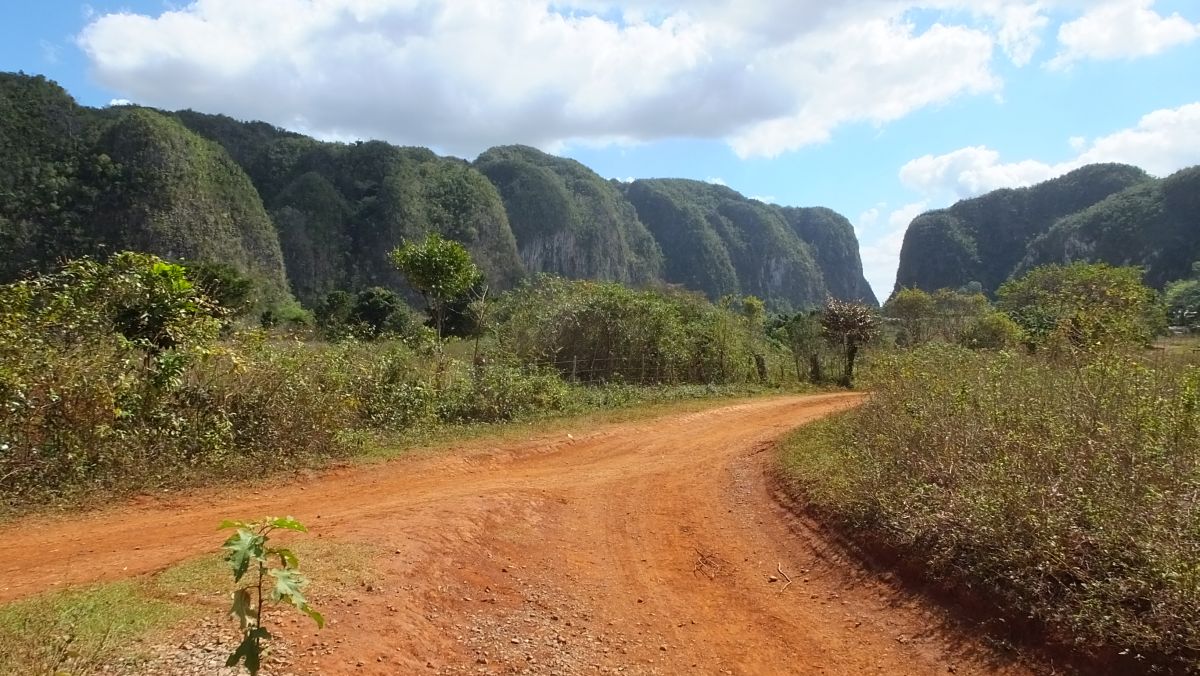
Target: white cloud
x,y
1020,33
869,218
765,199
120,102
1163,141
970,171
1120,29
881,253
769,76
716,180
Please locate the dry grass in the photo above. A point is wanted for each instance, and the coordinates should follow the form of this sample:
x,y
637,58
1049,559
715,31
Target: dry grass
x,y
1066,493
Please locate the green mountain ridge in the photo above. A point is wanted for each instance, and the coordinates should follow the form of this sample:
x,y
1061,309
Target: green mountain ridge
x,y
1154,225
1111,213
568,220
81,182
308,217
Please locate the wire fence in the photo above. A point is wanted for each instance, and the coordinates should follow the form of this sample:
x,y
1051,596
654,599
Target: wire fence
x,y
647,370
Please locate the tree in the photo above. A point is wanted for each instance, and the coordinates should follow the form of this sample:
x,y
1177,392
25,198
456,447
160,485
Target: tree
x,y
222,283
373,308
801,332
914,310
991,331
440,270
144,299
755,311
1083,305
1183,299
849,325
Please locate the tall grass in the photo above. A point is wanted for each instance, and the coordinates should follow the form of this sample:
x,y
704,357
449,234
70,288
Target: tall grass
x,y
1067,492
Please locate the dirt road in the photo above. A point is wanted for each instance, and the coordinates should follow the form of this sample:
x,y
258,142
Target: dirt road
x,y
646,548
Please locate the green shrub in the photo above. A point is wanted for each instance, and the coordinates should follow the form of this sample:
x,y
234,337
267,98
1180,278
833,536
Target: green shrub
x,y
601,332
499,392
1065,492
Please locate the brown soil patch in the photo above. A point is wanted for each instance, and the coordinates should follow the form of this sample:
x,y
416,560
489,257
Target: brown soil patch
x,y
650,547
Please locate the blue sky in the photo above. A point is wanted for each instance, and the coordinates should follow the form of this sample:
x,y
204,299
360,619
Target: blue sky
x,y
876,108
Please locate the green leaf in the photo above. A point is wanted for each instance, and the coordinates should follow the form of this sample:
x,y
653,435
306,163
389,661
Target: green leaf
x,y
287,523
243,547
289,559
226,524
288,583
242,609
317,617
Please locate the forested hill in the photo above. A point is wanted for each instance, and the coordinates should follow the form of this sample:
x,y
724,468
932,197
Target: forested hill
x,y
77,181
568,220
310,217
1102,212
720,242
1154,225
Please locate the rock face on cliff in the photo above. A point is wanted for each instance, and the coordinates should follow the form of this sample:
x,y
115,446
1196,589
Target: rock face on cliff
x,y
569,221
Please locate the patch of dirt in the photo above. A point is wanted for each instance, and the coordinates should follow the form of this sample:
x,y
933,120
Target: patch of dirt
x,y
651,547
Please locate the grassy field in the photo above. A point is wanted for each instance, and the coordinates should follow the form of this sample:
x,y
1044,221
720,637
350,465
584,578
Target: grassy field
x,y
1066,493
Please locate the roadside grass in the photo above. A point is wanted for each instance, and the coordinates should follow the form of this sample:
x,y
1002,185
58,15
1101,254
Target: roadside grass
x,y
79,631
1064,494
593,406
580,406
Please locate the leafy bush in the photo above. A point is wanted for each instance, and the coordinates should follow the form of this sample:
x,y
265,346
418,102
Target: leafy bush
x,y
1064,492
500,392
605,332
1082,306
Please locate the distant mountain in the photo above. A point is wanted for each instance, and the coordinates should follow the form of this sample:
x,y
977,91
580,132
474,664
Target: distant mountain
x,y
718,241
830,236
340,208
568,220
984,239
1155,225
76,181
308,217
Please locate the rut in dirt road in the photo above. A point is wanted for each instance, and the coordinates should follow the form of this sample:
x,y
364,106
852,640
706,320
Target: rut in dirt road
x,y
650,547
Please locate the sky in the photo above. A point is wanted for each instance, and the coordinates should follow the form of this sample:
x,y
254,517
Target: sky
x,y
879,109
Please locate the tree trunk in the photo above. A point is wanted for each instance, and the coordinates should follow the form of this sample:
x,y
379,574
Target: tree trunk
x,y
848,376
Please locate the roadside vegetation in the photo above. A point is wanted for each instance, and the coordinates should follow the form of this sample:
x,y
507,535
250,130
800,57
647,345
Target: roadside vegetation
x,y
134,374
119,627
1052,472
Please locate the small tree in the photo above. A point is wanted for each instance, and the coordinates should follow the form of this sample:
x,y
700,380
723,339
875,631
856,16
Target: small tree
x,y
1183,299
273,577
1083,305
440,270
914,310
801,332
849,325
755,312
224,284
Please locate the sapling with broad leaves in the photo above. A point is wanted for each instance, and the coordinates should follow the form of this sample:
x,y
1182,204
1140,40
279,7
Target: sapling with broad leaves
x,y
263,574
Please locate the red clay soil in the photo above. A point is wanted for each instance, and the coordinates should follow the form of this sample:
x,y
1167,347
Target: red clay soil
x,y
651,547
